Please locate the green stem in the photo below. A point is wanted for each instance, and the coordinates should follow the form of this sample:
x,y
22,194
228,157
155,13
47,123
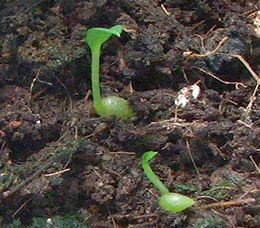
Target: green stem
x,y
95,56
154,179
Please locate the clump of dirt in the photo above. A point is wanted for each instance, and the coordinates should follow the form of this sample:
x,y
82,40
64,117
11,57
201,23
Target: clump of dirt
x,y
63,166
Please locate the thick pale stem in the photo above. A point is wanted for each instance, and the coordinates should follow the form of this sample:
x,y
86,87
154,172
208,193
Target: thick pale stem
x,y
154,179
95,55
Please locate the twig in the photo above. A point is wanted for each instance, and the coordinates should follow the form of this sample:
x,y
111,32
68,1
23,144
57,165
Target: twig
x,y
56,173
191,157
241,59
33,82
20,208
237,84
133,216
18,187
253,161
112,219
165,10
66,90
248,67
185,75
122,152
220,44
254,75
227,204
249,125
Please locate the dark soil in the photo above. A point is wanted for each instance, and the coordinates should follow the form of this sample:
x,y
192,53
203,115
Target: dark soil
x,y
64,166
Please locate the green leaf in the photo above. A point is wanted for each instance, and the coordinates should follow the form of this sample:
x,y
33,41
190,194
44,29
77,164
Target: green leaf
x,y
175,202
97,36
147,156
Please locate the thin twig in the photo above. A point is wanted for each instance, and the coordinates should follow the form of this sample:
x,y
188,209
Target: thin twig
x,y
165,10
246,64
213,52
237,84
227,204
66,90
20,208
18,187
56,173
254,75
253,161
191,156
33,82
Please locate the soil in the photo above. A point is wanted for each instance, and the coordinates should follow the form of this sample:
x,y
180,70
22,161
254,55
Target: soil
x,y
64,166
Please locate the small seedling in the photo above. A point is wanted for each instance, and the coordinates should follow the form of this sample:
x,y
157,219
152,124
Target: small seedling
x,y
111,105
173,202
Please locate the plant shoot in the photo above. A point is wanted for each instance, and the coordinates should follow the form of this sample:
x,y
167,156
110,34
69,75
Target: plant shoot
x,y
173,202
111,105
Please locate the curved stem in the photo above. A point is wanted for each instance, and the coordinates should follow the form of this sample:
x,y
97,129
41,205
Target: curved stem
x,y
154,179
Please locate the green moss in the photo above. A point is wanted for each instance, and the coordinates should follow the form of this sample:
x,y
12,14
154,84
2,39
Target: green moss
x,y
211,223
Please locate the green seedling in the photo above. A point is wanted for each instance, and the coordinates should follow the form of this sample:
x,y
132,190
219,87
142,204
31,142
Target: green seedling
x,y
173,202
111,105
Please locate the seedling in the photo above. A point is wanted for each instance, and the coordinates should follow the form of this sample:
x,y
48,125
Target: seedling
x,y
111,105
173,202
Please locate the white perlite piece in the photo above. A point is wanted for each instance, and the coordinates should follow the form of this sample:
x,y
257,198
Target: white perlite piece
x,y
256,22
186,94
195,91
